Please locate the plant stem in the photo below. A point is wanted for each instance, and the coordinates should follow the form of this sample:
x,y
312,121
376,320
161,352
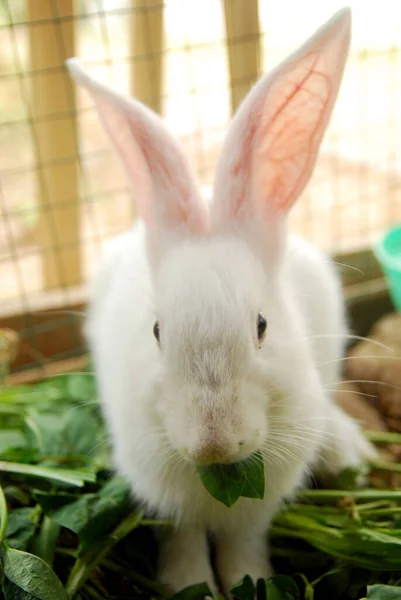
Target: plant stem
x,y
67,552
3,515
76,478
137,577
374,505
45,543
90,590
386,437
382,465
394,510
334,495
331,572
155,522
89,559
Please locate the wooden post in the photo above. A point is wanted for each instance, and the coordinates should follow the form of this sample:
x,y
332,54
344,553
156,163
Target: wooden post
x,y
243,42
147,52
51,41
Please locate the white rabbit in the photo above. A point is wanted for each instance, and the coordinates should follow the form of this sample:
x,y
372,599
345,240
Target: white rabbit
x,y
186,372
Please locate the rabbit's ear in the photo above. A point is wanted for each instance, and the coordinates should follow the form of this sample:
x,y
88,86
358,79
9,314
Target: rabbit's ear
x,y
271,147
164,188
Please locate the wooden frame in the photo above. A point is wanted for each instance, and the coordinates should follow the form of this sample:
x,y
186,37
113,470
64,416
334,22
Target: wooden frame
x,y
53,326
147,24
243,45
57,234
51,330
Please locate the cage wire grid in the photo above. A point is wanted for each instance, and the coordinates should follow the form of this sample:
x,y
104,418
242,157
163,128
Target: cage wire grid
x,y
62,190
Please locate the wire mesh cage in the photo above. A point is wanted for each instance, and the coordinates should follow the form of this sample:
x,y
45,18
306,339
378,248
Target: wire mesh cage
x,y
62,190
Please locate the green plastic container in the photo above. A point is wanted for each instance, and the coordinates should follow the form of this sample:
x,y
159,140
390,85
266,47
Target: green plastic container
x,y
388,253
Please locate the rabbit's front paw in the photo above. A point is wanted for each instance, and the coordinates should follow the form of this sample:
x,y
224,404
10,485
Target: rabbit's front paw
x,y
184,559
346,445
238,557
178,577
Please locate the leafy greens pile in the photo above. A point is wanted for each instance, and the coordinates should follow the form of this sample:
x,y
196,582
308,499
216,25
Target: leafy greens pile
x,y
69,530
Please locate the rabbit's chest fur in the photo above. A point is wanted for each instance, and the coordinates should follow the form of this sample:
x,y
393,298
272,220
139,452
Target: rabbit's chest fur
x,y
120,315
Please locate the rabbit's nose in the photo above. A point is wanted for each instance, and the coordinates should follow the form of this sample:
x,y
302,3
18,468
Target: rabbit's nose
x,y
214,452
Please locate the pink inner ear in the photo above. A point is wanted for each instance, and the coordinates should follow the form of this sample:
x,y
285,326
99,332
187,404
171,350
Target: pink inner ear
x,y
164,192
164,174
241,171
272,144
119,130
291,130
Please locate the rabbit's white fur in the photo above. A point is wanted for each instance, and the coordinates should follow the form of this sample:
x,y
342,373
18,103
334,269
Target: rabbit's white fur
x,y
208,385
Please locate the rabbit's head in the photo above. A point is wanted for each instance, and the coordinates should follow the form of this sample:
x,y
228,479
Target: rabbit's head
x,y
216,269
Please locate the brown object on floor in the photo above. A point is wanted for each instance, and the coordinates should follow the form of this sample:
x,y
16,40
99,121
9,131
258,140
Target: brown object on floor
x,y
376,365
357,406
374,400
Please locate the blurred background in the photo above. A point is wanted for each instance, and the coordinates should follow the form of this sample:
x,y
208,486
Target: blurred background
x,y
63,192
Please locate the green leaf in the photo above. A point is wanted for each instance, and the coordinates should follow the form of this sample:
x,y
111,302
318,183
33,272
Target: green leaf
x,y
281,587
76,433
277,588
81,387
90,516
383,592
244,590
55,392
348,478
13,592
44,543
10,438
92,556
194,592
20,455
32,574
50,502
370,548
227,483
3,515
254,485
76,477
21,527
16,495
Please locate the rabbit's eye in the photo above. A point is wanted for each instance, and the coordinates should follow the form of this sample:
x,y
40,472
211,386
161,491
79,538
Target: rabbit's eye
x,y
156,331
261,325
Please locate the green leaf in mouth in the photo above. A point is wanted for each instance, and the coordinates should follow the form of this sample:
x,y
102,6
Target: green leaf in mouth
x,y
228,482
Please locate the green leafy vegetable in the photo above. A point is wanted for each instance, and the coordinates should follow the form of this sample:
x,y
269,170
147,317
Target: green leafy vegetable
x,y
194,592
383,592
73,434
61,503
32,575
89,559
10,438
13,592
276,588
227,483
44,544
91,515
64,476
21,527
244,590
3,515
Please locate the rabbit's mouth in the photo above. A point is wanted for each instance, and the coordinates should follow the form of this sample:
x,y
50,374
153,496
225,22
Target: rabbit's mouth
x,y
218,452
